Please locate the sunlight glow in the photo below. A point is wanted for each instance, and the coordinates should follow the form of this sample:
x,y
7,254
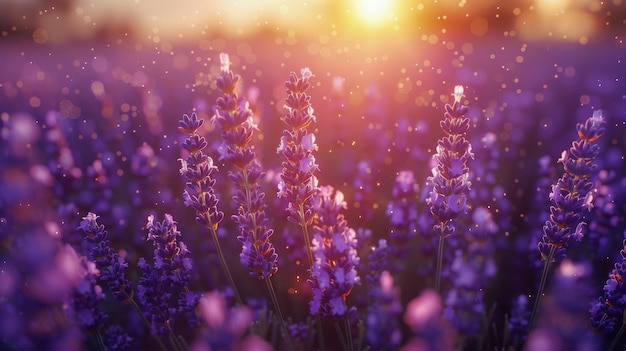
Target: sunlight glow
x,y
373,11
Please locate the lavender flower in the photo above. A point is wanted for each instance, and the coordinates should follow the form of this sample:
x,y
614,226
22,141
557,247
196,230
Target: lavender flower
x,y
518,322
382,318
571,194
608,311
450,176
196,168
451,186
235,117
167,278
377,262
298,183
84,300
403,215
225,329
110,264
334,249
430,331
116,339
199,191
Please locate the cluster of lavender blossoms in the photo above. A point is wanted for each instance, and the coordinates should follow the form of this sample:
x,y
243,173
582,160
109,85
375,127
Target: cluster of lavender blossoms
x,y
196,168
449,179
236,120
450,175
107,260
298,182
163,284
571,195
335,258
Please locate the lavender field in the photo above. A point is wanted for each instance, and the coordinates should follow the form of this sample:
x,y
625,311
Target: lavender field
x,y
321,175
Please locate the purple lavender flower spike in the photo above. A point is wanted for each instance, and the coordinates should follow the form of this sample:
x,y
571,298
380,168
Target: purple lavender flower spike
x,y
571,195
199,191
298,183
334,249
196,168
450,176
450,179
608,311
169,253
110,264
235,117
167,277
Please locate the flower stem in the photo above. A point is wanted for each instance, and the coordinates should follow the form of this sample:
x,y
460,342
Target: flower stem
x,y
229,276
272,292
617,337
439,261
542,286
349,334
341,336
100,340
309,251
307,238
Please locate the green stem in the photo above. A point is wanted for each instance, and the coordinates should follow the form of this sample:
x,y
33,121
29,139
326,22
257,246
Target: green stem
x,y
349,334
617,337
309,250
224,265
307,238
341,336
101,345
542,286
439,261
272,292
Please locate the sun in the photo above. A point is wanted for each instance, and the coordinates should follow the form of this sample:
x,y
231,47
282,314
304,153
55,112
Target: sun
x,y
373,11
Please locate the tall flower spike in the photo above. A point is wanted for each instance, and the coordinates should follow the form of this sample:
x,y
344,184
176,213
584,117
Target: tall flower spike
x,y
199,191
107,260
196,169
167,278
571,195
298,183
449,179
236,119
334,248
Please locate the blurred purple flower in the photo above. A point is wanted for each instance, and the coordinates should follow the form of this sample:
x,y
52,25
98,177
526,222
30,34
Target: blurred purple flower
x,y
423,315
382,317
608,311
83,302
116,339
403,215
225,329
